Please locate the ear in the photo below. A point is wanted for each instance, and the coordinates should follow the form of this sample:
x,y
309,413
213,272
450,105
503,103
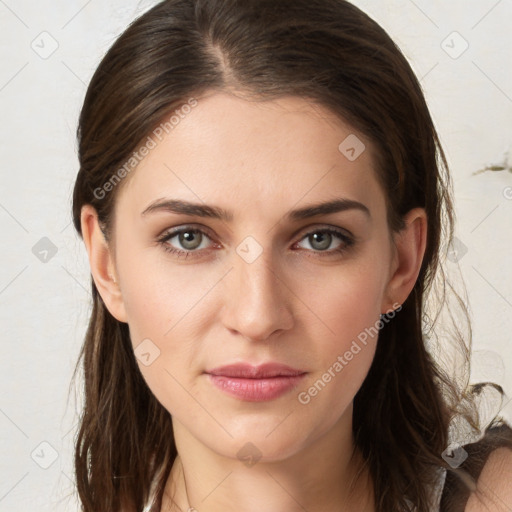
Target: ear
x,y
101,262
409,249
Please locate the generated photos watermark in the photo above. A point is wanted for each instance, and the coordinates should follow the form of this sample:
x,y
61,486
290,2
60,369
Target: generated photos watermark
x,y
151,142
305,397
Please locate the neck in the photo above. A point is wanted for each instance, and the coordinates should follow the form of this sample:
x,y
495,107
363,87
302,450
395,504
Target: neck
x,y
328,475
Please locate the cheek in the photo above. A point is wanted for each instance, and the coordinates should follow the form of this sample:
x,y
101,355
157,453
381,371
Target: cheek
x,y
159,321
344,361
344,302
331,392
161,296
150,308
348,305
165,306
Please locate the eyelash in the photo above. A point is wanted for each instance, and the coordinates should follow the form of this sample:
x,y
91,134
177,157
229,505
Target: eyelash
x,y
348,242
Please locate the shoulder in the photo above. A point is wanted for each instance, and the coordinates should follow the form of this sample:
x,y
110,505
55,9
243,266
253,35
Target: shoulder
x,y
483,482
493,491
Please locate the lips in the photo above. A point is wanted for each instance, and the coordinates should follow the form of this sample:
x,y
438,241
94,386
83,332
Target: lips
x,y
247,371
256,383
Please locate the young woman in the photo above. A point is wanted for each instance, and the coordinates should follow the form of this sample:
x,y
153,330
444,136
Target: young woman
x,y
265,206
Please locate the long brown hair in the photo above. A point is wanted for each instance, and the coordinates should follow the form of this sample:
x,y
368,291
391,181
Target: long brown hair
x,y
331,53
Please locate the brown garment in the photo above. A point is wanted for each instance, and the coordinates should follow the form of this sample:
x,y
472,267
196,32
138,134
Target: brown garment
x,y
456,492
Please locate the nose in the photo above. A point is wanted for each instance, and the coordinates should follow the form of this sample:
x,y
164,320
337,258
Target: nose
x,y
256,299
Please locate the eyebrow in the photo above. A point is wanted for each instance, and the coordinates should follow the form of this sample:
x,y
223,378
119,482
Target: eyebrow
x,y
215,212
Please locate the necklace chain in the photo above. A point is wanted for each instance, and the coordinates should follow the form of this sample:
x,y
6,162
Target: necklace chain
x,y
189,509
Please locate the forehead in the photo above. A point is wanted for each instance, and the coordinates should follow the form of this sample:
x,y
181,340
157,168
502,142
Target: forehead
x,y
281,152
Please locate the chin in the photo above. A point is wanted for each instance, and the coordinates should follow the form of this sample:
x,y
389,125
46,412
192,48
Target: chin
x,y
268,441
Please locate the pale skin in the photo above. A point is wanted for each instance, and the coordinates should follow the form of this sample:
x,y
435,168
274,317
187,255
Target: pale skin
x,y
293,304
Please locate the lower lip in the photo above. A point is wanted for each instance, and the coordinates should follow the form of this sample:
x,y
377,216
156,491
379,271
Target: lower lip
x,y
256,390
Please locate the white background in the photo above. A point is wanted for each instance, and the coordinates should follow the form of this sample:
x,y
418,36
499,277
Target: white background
x,y
44,307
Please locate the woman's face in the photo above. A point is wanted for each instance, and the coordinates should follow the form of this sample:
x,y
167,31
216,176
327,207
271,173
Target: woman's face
x,y
261,273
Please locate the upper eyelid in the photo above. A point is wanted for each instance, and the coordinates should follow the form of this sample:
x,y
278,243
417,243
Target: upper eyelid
x,y
171,233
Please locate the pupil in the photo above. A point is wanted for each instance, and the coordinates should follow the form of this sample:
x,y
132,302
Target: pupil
x,y
323,240
187,240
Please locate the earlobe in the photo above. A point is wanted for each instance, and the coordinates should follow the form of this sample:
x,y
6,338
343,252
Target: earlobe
x,y
101,263
410,244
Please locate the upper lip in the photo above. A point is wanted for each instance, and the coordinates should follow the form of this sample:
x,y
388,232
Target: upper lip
x,y
248,371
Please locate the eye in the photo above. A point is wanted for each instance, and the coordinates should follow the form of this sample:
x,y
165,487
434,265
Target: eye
x,y
189,240
322,239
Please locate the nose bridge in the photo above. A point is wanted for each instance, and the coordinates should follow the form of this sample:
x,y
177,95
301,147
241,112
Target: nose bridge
x,y
256,303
